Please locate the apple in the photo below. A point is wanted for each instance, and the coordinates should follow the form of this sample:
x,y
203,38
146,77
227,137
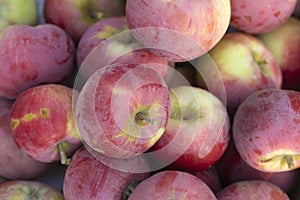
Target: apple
x,y
244,64
178,30
266,130
30,56
172,185
111,38
197,131
14,163
34,190
284,43
122,110
297,10
18,12
43,125
252,189
232,168
260,17
89,178
75,16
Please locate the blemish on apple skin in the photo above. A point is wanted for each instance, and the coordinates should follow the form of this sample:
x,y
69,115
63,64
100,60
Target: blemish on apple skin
x,y
14,123
277,14
29,117
44,113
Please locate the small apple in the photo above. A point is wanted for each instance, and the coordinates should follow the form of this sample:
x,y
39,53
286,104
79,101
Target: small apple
x,y
75,16
89,178
33,190
260,16
178,30
284,43
197,131
255,189
14,163
266,130
18,12
172,185
111,38
122,110
245,65
30,56
43,125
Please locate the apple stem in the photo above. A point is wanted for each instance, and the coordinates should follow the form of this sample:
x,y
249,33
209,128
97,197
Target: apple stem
x,y
64,160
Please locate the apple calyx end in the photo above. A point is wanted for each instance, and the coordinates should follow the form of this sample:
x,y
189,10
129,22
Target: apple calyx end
x,y
285,162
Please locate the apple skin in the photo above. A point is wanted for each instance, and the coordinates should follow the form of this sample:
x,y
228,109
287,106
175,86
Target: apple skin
x,y
284,43
172,185
266,130
43,124
245,65
81,13
232,168
197,131
18,12
35,190
14,163
181,21
122,110
252,189
30,56
260,17
104,38
89,178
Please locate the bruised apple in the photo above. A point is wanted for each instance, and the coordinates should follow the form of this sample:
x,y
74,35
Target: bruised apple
x,y
89,178
122,110
178,30
43,125
14,163
266,130
172,185
30,56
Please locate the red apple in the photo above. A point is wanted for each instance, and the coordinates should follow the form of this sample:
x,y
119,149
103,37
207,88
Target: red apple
x,y
14,163
284,43
111,38
30,56
33,190
232,168
172,185
260,16
245,65
75,16
178,30
122,110
197,131
42,122
266,130
89,178
248,190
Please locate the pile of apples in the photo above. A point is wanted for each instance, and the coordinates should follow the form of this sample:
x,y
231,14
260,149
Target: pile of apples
x,y
150,99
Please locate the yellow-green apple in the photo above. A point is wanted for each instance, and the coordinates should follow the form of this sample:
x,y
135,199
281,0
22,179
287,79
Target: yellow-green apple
x,y
197,131
122,110
252,189
30,56
14,163
43,124
172,185
111,38
30,189
18,12
178,30
266,130
245,65
284,43
260,17
80,13
89,178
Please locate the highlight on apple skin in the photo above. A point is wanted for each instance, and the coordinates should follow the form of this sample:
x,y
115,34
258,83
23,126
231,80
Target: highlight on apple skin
x,y
266,130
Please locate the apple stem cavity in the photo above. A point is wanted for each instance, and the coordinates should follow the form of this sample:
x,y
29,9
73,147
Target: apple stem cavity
x,y
64,160
286,160
142,119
